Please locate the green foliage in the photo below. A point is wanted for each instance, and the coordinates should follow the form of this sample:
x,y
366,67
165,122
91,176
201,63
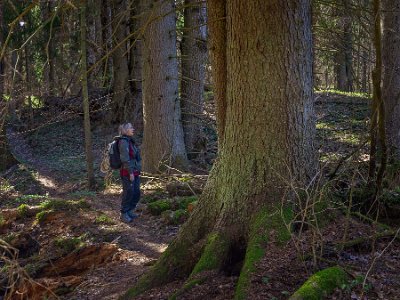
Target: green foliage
x,y
104,219
183,202
69,244
343,93
355,283
27,198
82,194
5,186
391,197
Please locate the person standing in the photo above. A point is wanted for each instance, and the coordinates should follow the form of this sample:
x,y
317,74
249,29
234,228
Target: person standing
x,y
129,171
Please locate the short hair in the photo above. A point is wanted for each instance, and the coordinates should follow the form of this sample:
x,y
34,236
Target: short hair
x,y
123,128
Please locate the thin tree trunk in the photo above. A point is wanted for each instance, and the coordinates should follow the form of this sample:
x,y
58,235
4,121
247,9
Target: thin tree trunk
x,y
378,93
163,142
194,55
85,99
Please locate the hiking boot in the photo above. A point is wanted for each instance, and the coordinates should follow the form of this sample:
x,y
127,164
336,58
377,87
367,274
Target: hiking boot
x,y
132,215
124,217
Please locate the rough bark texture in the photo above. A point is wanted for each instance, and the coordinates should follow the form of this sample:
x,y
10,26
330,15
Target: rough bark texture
x,y
268,139
85,99
163,142
391,74
122,108
194,55
135,64
217,49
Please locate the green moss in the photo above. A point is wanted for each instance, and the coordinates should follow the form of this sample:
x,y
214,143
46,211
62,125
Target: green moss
x,y
22,210
321,284
104,219
216,248
42,215
262,225
157,207
59,205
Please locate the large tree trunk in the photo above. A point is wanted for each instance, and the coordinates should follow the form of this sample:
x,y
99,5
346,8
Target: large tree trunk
x,y
267,142
194,55
391,74
135,64
163,143
85,99
122,107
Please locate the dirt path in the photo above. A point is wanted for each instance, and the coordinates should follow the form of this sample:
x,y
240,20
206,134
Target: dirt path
x,y
139,243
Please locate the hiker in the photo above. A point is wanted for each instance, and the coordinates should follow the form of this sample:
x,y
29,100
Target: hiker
x,y
129,171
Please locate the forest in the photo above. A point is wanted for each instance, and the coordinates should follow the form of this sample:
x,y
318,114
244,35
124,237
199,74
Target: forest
x,y
261,139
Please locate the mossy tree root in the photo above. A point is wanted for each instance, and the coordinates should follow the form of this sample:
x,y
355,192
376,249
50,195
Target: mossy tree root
x,y
321,284
213,257
264,223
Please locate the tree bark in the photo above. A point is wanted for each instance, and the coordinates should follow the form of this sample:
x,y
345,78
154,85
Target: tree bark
x,y
163,142
135,64
122,108
2,64
217,49
85,99
391,75
268,142
194,55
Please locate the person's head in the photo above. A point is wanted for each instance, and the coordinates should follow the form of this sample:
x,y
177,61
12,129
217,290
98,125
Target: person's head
x,y
126,129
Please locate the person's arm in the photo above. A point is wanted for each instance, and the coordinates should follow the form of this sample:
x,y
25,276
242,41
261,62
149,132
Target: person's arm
x,y
124,155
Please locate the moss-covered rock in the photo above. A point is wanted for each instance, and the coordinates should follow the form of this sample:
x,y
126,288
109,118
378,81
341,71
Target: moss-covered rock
x,y
175,217
157,207
321,284
59,205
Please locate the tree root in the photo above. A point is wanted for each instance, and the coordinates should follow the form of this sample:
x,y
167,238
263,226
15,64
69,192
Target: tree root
x,y
321,284
264,223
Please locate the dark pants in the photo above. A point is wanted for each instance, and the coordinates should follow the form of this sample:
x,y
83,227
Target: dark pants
x,y
130,193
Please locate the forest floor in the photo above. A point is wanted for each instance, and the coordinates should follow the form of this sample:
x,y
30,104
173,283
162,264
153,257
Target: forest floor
x,y
71,241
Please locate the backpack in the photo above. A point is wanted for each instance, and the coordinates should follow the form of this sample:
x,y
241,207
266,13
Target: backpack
x,y
113,155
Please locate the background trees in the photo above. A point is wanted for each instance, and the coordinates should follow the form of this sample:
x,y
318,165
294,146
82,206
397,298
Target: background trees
x,y
146,62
